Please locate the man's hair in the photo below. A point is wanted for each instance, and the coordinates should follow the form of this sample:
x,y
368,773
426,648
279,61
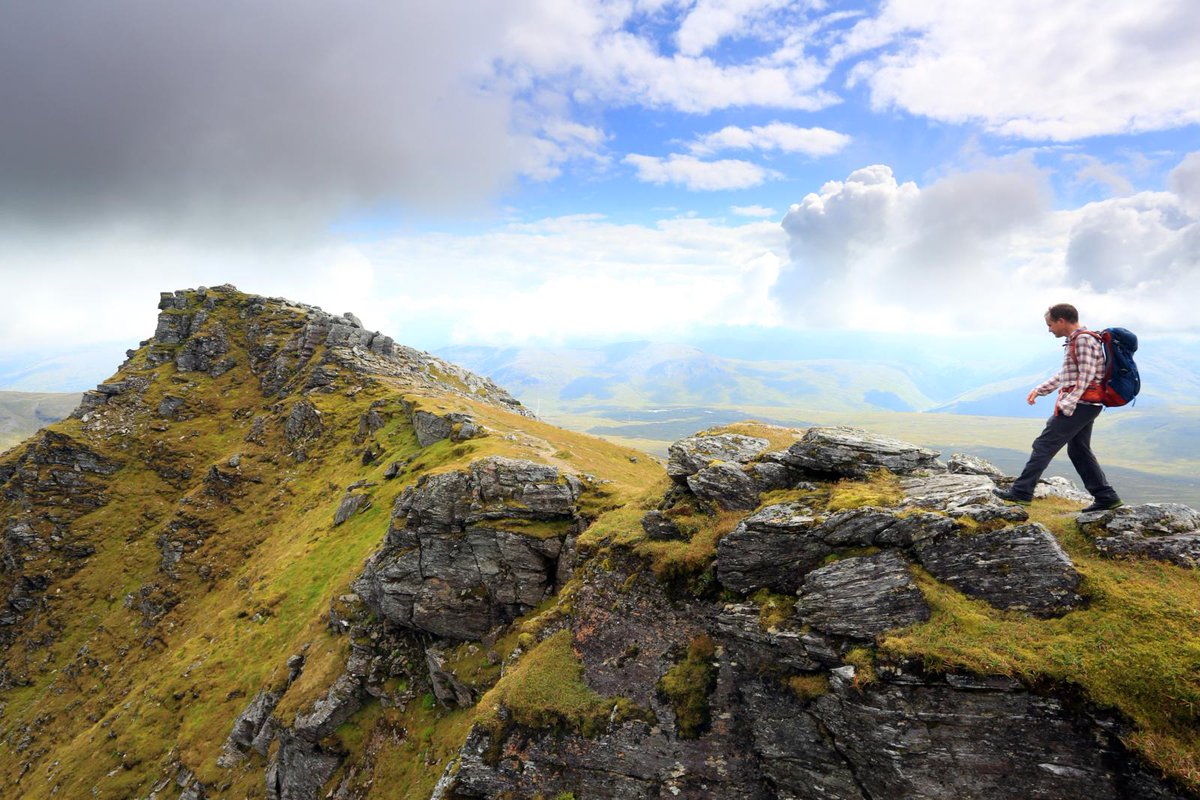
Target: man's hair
x,y
1063,311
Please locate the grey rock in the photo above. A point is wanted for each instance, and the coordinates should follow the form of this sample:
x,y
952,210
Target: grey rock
x,y
431,427
990,512
1167,532
170,406
751,558
855,453
456,562
739,630
964,464
948,491
660,527
299,770
247,729
448,689
303,423
1021,568
205,352
1057,486
726,484
769,476
799,758
777,546
689,456
351,504
862,597
914,740
394,468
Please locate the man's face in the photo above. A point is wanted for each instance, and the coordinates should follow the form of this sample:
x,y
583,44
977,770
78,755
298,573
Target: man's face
x,y
1058,327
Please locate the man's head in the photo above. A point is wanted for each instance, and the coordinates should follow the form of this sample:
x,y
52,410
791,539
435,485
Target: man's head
x,y
1062,319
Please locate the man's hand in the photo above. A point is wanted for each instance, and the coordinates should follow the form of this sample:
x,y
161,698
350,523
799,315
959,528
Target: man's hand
x,y
1032,398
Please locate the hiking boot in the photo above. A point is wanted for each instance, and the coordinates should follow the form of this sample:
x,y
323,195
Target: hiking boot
x,y
1103,505
1005,494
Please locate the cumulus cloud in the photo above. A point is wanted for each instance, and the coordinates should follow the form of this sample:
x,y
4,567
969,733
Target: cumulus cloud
x,y
1026,69
699,175
710,21
780,136
590,50
871,242
985,250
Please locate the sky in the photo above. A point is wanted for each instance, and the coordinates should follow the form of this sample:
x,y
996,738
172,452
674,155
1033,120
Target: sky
x,y
545,172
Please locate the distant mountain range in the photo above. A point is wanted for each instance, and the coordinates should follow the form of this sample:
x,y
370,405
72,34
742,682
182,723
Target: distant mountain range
x,y
870,374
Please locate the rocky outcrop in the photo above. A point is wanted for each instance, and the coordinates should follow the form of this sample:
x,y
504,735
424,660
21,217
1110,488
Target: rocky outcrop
x,y
903,734
689,456
777,546
469,550
1161,531
855,453
1021,568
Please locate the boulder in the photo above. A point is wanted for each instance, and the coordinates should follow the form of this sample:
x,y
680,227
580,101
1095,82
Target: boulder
x,y
771,549
1161,531
660,527
689,456
855,453
948,491
726,484
351,504
1021,568
1057,486
963,464
862,596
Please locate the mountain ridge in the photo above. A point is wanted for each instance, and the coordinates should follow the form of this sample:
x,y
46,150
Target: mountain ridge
x,y
278,555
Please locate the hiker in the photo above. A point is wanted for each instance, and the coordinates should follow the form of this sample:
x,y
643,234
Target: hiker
x,y
1074,413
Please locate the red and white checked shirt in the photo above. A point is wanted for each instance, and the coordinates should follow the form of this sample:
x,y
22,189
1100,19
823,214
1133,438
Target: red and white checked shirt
x,y
1077,373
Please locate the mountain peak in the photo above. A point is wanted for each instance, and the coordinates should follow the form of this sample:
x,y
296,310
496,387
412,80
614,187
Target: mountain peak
x,y
287,347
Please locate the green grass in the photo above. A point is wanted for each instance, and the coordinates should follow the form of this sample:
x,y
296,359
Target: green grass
x,y
687,685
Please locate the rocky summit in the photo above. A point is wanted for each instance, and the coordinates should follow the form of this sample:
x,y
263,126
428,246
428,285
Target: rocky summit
x,y
278,555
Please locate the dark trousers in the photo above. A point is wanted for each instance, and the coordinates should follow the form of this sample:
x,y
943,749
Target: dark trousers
x,y
1075,432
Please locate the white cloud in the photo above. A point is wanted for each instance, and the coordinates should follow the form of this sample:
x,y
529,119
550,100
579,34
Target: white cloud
x,y
699,175
983,250
753,211
545,280
1184,181
774,136
589,51
1029,69
710,21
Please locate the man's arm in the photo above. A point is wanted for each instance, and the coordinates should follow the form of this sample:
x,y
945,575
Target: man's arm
x,y
1045,388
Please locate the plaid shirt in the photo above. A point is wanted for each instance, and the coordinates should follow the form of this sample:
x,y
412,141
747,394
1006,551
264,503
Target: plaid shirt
x,y
1086,368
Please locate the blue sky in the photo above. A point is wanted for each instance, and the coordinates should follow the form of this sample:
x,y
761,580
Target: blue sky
x,y
546,171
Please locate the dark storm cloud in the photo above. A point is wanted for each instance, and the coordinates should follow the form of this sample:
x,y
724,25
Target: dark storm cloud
x,y
241,114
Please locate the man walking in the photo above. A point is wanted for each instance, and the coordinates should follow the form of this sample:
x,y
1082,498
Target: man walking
x,y
1074,413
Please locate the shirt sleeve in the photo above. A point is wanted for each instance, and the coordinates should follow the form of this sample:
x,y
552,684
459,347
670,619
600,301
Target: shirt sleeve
x,y
1089,354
